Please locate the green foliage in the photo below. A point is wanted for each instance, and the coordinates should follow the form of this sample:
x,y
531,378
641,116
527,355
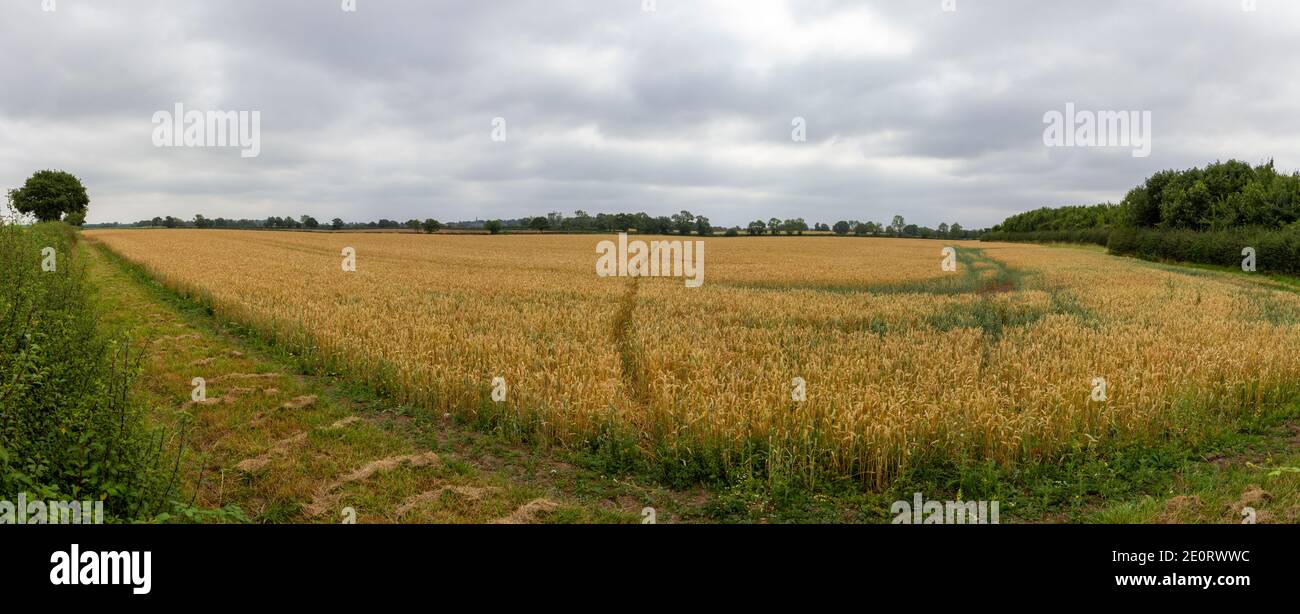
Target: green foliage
x,y
684,222
493,226
1201,215
703,227
1061,219
68,430
1221,196
48,195
1098,236
1276,250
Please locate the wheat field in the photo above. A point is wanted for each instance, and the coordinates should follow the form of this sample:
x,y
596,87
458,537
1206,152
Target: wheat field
x,y
1021,353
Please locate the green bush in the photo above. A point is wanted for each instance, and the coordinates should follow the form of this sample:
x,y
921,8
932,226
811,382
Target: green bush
x,y
68,430
1276,250
1096,236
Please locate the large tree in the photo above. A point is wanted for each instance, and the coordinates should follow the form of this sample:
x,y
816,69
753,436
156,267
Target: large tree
x,y
703,227
896,227
49,195
684,222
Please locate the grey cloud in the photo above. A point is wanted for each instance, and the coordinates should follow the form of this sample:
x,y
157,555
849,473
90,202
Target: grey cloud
x,y
386,112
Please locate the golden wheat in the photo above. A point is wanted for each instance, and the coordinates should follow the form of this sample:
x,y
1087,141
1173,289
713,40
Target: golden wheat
x,y
902,361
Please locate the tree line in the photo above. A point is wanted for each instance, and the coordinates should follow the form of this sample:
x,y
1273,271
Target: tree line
x,y
1222,195
1205,215
681,223
684,223
307,222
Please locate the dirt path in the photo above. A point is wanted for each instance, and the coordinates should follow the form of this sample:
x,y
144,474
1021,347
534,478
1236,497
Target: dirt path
x,y
287,447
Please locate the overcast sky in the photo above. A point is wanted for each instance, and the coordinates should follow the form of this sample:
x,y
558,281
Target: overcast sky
x,y
388,111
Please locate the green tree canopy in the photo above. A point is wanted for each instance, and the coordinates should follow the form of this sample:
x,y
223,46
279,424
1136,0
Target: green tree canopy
x,y
48,195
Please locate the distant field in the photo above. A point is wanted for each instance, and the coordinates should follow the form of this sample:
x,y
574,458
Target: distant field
x,y
905,364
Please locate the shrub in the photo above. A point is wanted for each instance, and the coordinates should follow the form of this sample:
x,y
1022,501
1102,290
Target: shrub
x,y
1276,251
68,430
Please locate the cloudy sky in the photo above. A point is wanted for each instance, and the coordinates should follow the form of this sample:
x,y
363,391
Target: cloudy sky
x,y
388,111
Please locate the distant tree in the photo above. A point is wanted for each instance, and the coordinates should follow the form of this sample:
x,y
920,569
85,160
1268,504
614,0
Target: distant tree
x,y
413,225
431,226
911,230
862,229
539,223
734,231
336,224
703,227
493,226
792,226
896,227
943,229
955,230
156,222
683,222
773,226
757,227
48,195
555,219
661,225
841,228
171,222
580,221
202,222
310,222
